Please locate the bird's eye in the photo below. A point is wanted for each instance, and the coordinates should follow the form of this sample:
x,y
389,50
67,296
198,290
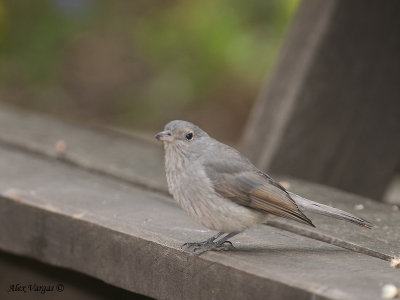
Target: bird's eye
x,y
189,136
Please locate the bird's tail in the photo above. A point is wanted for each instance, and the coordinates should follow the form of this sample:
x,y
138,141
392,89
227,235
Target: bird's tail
x,y
311,206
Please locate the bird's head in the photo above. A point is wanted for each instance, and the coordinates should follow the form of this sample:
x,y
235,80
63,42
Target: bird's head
x,y
181,134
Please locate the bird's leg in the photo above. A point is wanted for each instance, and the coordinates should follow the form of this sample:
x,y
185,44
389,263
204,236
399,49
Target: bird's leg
x,y
206,242
218,245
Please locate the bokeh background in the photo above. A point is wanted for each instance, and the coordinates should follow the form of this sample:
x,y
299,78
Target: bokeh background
x,y
139,64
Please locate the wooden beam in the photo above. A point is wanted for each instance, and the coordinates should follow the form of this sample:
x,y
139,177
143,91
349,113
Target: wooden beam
x,y
130,238
330,112
139,162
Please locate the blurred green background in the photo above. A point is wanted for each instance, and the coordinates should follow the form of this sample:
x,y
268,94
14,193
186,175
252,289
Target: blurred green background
x,y
139,64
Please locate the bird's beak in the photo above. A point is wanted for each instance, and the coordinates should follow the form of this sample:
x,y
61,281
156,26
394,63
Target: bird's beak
x,y
164,136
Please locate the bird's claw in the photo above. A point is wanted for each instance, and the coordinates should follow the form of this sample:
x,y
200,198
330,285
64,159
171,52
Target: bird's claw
x,y
195,244
203,247
228,246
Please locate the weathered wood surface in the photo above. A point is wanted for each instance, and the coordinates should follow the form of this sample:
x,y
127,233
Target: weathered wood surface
x,y
330,112
102,151
131,238
66,284
141,163
383,241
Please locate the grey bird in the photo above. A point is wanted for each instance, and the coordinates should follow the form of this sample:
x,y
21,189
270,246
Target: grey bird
x,y
223,191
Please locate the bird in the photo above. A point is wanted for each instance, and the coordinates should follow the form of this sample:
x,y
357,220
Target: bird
x,y
223,191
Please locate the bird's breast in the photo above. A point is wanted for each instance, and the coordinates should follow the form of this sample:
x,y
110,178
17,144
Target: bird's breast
x,y
194,192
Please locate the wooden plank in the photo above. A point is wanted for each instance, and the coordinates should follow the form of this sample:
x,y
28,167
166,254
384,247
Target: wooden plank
x,y
123,156
140,162
330,112
272,111
131,238
382,241
61,284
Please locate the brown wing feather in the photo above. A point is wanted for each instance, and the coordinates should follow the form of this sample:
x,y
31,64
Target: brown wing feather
x,y
253,189
270,199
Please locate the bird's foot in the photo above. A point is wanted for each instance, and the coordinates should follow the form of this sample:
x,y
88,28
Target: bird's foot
x,y
196,244
210,244
203,243
199,249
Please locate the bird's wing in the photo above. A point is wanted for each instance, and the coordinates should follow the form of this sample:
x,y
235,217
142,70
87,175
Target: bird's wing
x,y
245,185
